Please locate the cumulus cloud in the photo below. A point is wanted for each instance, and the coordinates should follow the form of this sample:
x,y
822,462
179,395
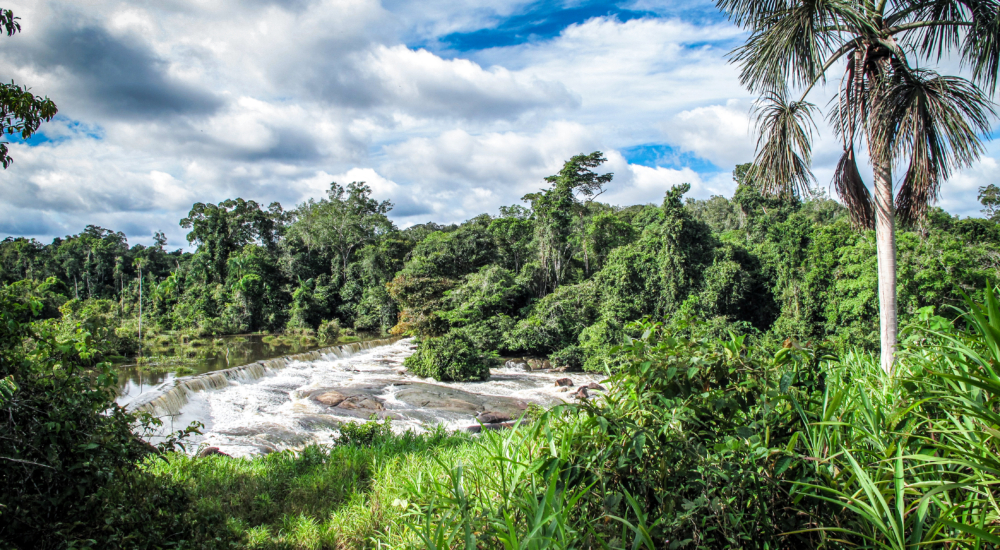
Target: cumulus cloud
x,y
163,104
717,133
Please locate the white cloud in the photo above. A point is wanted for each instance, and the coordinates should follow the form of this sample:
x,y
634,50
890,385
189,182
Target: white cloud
x,y
172,102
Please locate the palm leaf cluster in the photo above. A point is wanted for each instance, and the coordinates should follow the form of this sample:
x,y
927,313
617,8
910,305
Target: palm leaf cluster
x,y
906,114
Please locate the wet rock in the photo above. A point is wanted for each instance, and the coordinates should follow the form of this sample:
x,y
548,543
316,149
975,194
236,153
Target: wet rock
x,y
517,364
210,451
331,398
564,382
596,386
314,423
563,390
581,393
493,418
546,364
364,402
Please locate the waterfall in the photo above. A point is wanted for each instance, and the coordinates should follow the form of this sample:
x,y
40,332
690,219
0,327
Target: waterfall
x,y
168,398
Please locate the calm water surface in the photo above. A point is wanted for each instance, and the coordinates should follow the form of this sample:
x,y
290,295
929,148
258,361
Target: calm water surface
x,y
216,354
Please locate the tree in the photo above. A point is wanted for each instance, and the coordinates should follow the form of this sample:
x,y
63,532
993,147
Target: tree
x,y
345,222
901,111
227,227
989,197
21,112
512,231
554,209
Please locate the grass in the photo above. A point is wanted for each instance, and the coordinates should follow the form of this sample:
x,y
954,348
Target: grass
x,y
320,498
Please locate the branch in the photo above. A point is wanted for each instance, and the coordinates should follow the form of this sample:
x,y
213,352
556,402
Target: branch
x,y
26,462
919,24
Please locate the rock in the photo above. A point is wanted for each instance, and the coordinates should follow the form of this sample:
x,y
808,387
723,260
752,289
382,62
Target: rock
x,y
401,372
331,398
563,389
581,393
596,386
546,364
361,402
564,382
209,451
517,364
534,364
493,418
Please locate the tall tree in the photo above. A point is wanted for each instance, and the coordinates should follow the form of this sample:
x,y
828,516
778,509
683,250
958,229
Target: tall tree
x,y
989,197
21,112
223,229
572,188
344,222
903,113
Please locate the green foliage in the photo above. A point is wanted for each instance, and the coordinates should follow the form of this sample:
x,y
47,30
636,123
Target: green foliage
x,y
62,437
21,112
556,320
452,357
365,434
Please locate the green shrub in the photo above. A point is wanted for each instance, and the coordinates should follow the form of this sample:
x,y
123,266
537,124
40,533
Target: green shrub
x,y
570,356
329,331
63,438
365,434
452,357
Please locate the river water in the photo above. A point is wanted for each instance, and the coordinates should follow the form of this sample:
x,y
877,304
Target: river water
x,y
301,399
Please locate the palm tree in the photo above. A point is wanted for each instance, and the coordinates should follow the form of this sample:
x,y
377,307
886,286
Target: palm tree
x,y
902,112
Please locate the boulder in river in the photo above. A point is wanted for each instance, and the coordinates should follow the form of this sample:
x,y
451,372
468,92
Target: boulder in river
x,y
564,382
493,418
596,386
331,398
581,393
210,451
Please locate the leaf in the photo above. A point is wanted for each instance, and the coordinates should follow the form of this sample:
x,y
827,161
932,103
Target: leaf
x,y
692,372
782,465
786,381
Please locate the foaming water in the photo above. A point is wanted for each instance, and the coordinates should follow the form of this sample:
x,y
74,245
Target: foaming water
x,y
301,399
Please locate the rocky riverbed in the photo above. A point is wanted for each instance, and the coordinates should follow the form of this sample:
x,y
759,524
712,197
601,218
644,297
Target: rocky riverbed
x,y
298,402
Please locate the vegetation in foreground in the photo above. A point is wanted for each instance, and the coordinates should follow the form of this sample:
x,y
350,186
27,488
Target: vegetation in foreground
x,y
701,442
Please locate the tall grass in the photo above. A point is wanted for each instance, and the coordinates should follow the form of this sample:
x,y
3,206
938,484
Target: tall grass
x,y
913,456
699,443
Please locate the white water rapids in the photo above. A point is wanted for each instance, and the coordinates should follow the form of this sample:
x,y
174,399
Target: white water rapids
x,y
297,400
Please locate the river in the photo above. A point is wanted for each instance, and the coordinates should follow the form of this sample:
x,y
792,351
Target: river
x,y
301,399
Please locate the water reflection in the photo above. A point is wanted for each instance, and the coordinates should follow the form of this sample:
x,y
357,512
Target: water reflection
x,y
185,358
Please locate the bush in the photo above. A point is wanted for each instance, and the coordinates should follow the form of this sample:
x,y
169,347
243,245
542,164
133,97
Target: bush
x,y
366,434
452,357
571,356
329,331
63,439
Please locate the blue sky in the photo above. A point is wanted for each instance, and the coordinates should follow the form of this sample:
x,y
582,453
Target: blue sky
x,y
449,109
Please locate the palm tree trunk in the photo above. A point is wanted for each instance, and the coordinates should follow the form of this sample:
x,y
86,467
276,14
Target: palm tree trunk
x,y
885,242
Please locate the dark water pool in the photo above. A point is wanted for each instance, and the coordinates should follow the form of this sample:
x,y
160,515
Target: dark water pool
x,y
204,355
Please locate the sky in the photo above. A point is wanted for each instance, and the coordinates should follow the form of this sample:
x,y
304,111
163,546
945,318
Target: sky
x,y
447,108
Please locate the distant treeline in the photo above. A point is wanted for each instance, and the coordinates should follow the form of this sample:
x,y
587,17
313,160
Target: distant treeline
x,y
560,276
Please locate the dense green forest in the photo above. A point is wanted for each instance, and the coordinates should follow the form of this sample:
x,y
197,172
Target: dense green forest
x,y
560,276
779,370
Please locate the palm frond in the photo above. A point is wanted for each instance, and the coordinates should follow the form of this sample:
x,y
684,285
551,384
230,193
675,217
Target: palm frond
x,y
936,27
784,148
848,112
932,41
791,45
933,120
748,12
853,192
981,49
